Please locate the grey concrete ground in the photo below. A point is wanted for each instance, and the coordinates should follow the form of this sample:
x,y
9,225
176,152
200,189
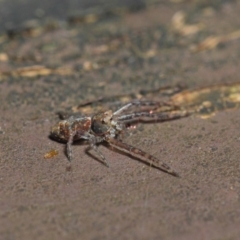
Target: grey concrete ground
x,y
57,64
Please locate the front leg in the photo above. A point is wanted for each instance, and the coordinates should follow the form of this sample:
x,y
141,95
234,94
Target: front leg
x,y
69,145
72,134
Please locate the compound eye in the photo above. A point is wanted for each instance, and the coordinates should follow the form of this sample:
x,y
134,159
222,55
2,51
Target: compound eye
x,y
99,127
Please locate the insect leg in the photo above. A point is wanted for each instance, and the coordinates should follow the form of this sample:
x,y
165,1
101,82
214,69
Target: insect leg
x,y
149,104
142,155
95,148
149,117
69,145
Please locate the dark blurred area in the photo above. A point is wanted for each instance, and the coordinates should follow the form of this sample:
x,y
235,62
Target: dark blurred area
x,y
14,14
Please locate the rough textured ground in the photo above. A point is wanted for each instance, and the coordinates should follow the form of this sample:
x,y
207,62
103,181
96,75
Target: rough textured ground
x,y
48,66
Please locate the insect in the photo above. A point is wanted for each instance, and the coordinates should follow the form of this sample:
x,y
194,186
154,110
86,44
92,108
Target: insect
x,y
107,127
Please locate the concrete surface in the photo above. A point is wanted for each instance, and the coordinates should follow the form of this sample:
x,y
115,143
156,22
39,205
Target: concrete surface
x,y
52,67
